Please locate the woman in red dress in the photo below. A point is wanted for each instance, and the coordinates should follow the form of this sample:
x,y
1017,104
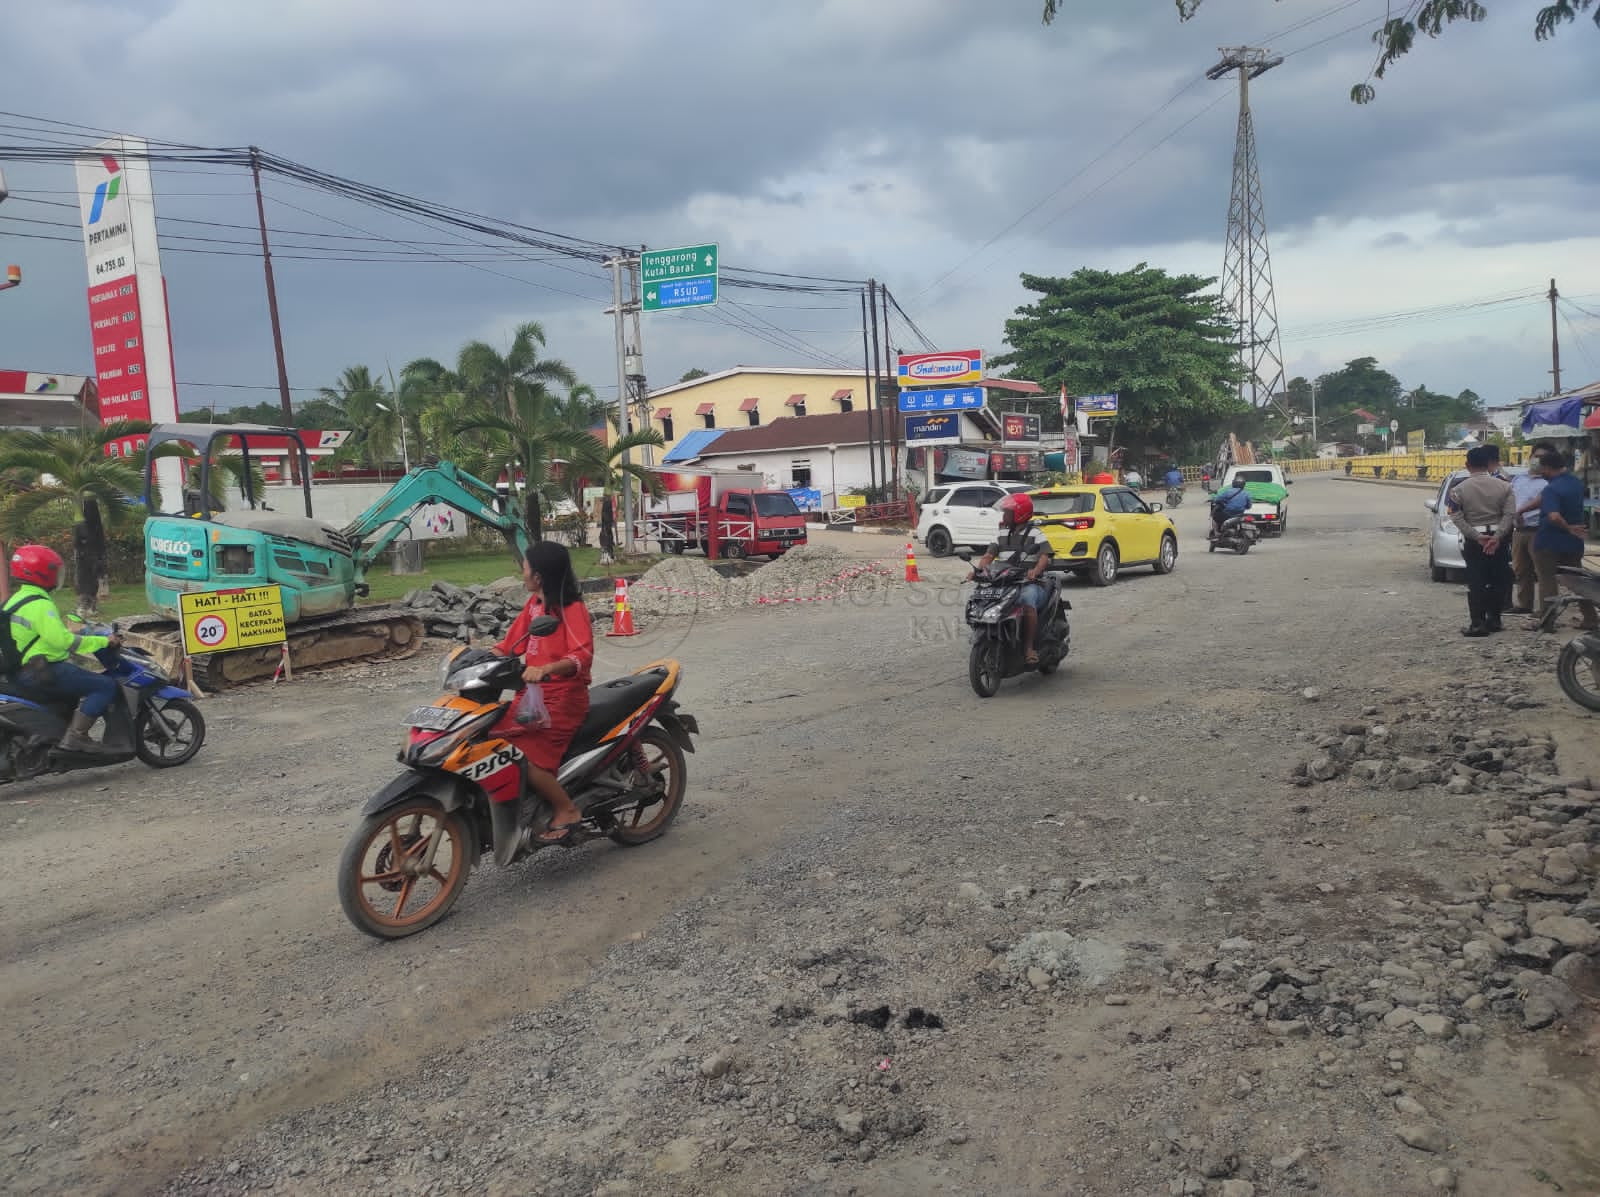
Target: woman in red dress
x,y
560,665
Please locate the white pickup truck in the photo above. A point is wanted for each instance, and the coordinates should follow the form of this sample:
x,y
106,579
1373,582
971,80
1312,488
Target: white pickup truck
x,y
1272,518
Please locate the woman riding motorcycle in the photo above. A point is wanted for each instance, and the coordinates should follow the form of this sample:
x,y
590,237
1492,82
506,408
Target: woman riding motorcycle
x,y
559,664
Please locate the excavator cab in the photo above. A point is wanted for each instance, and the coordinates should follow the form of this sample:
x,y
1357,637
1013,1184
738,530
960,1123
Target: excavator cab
x,y
193,544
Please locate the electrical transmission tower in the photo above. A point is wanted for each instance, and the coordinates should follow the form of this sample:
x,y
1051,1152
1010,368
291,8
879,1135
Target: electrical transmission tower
x,y
1246,265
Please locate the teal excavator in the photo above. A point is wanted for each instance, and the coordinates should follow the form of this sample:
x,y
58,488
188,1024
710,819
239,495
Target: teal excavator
x,y
320,569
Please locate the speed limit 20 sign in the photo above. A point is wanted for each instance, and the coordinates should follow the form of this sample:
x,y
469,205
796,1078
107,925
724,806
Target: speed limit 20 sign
x,y
222,620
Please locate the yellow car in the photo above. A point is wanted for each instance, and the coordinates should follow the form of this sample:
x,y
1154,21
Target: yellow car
x,y
1101,530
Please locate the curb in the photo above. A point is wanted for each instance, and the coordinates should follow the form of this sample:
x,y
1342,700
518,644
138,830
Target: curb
x,y
1412,485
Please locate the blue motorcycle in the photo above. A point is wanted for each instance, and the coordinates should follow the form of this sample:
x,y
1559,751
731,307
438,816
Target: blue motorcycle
x,y
151,719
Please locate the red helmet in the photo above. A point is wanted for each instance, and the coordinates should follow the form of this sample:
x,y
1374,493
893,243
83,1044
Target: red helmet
x,y
37,564
1015,510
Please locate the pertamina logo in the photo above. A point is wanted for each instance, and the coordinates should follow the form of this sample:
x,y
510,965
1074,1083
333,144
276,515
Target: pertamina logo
x,y
108,190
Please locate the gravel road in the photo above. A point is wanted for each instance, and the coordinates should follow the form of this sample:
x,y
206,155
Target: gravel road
x,y
1195,915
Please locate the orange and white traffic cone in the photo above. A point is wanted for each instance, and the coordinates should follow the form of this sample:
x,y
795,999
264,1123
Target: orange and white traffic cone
x,y
911,565
622,613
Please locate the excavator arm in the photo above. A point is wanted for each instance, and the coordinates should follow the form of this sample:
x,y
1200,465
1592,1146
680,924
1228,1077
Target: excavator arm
x,y
390,517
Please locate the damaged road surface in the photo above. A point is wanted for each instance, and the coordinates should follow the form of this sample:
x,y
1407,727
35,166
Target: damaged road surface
x,y
1279,885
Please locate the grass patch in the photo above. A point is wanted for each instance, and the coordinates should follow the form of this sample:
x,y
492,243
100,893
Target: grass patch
x,y
460,567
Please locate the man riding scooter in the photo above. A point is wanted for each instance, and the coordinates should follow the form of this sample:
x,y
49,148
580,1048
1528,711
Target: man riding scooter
x,y
1226,504
1027,546
44,645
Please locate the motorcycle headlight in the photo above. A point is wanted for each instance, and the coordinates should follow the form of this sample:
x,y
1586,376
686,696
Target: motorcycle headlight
x,y
435,751
994,612
463,679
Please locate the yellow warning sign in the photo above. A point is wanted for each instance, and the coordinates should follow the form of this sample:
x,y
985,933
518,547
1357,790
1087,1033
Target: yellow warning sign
x,y
852,500
218,620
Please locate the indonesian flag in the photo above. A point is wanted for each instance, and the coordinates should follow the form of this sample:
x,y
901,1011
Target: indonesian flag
x,y
1065,404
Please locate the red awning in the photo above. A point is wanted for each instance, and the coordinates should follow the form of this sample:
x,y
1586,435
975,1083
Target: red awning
x,y
1594,419
664,413
794,401
748,404
844,394
706,409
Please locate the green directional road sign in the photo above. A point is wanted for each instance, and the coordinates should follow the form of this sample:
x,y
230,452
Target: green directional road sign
x,y
679,278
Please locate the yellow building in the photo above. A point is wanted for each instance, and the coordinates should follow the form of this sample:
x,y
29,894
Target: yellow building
x,y
753,396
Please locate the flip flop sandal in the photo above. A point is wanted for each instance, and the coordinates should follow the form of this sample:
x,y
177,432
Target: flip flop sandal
x,y
552,836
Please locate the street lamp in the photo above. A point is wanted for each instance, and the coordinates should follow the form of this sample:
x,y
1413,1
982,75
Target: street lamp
x,y
833,473
405,453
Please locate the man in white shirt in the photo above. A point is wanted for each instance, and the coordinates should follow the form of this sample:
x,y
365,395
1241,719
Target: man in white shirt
x,y
1525,491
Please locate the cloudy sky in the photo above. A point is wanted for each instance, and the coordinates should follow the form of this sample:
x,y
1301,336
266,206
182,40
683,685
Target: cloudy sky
x,y
943,146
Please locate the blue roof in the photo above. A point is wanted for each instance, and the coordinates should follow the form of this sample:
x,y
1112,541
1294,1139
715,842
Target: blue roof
x,y
692,445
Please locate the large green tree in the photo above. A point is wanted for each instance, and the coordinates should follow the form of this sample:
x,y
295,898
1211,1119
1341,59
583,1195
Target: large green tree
x,y
1398,34
1159,340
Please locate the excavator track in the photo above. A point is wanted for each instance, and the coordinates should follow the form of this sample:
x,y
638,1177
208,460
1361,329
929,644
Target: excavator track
x,y
373,634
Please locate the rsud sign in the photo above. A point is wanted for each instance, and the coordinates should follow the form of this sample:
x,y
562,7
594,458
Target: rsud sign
x,y
951,366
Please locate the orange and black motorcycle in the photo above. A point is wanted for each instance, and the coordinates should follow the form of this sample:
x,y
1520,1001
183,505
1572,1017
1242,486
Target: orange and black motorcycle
x,y
462,793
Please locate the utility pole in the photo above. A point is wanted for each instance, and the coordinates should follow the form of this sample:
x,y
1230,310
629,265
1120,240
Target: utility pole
x,y
875,397
894,419
624,420
272,300
1555,341
635,352
1247,290
866,391
1314,441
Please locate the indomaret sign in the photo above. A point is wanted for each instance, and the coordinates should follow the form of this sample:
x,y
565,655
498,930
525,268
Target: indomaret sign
x,y
127,293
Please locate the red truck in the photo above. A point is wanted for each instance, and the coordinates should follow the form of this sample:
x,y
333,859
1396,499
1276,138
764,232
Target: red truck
x,y
723,515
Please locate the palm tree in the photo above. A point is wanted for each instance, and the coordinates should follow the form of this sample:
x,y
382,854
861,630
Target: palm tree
x,y
363,399
73,471
603,465
532,435
498,380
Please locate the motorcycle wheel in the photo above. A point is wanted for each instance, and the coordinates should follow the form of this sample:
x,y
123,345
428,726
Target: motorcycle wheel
x,y
662,755
984,668
1578,671
161,750
1244,545
380,861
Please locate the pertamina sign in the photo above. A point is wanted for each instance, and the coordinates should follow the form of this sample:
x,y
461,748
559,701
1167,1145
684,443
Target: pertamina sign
x,y
951,368
218,620
127,293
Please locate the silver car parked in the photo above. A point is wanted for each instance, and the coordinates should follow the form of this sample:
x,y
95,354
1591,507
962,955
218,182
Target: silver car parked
x,y
1446,554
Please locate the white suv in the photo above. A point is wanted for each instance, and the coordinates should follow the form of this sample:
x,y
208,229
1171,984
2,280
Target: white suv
x,y
961,514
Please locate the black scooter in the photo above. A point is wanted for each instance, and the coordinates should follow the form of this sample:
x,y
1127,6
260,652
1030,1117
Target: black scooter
x,y
1235,534
151,719
994,613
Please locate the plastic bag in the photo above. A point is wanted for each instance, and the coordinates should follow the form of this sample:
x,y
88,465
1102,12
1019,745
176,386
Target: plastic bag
x,y
529,709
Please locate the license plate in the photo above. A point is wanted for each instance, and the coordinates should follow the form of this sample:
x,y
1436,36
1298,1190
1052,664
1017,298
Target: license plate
x,y
433,718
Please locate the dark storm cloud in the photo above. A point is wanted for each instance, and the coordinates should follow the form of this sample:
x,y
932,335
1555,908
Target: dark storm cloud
x,y
822,121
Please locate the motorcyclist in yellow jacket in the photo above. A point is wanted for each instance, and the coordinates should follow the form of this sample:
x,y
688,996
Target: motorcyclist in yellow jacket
x,y
45,644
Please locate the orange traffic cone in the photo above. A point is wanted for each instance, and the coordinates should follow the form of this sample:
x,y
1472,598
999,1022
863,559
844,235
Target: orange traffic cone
x,y
911,565
622,613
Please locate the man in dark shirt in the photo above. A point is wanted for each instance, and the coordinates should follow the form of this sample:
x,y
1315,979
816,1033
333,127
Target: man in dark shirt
x,y
1562,527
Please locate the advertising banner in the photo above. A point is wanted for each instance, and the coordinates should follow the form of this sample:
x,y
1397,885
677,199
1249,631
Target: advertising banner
x,y
807,498
942,399
1095,406
966,463
1020,428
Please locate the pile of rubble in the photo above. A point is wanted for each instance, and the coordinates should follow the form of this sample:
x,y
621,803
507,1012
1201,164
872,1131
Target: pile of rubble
x,y
808,574
462,613
1521,941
